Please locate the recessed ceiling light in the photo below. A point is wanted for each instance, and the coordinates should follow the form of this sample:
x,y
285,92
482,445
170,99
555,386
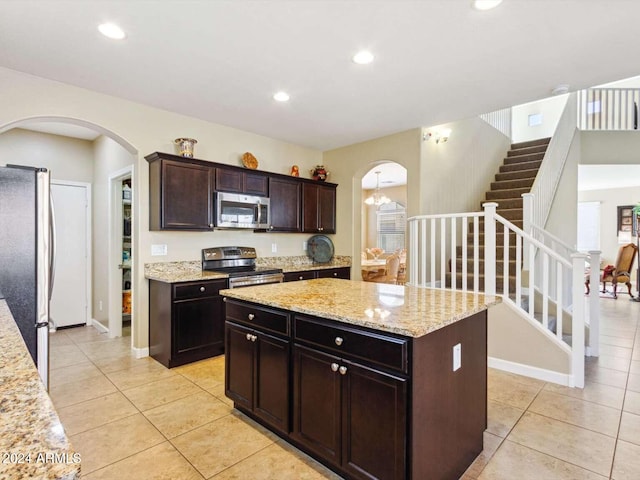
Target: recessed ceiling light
x,y
363,57
281,97
111,30
486,4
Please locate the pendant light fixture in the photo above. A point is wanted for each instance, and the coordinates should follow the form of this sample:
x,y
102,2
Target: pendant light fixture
x,y
377,198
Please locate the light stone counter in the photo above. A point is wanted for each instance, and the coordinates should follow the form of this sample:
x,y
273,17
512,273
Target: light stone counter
x,y
173,272
408,311
191,271
303,263
33,443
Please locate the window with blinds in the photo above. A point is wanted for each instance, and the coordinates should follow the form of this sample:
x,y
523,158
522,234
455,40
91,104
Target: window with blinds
x,y
391,226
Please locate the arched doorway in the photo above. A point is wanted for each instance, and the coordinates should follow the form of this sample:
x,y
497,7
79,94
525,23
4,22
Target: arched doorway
x,y
45,141
384,200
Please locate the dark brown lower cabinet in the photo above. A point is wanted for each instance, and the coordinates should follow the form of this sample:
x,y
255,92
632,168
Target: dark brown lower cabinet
x,y
186,321
350,415
368,404
340,272
257,374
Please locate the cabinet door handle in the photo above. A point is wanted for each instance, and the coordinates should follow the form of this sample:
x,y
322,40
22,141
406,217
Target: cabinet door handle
x,y
254,338
271,227
202,289
320,229
339,341
211,225
248,336
251,316
343,370
300,277
334,367
335,274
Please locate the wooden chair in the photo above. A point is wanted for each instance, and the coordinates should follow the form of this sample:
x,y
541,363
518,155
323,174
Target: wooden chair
x,y
622,271
390,274
402,270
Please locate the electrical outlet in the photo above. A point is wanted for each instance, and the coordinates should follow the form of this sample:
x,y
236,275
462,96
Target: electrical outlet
x,y
158,250
304,246
100,305
274,248
457,357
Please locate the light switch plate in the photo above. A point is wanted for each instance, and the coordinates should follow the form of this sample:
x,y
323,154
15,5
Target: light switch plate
x,y
274,248
457,357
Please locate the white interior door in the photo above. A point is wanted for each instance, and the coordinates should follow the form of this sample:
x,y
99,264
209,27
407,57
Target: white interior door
x,y
69,300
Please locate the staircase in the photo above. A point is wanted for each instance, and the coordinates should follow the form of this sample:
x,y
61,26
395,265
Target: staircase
x,y
515,177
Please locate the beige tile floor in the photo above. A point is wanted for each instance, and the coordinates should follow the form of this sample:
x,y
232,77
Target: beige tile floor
x,y
133,418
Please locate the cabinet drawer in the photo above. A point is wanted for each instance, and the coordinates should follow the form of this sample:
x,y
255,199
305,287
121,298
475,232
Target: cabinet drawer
x,y
335,273
183,291
258,317
295,276
372,347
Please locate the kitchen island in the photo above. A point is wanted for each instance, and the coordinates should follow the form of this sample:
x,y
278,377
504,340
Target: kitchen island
x,y
33,443
373,380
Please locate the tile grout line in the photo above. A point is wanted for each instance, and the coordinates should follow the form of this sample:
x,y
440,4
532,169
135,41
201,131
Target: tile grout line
x,y
624,400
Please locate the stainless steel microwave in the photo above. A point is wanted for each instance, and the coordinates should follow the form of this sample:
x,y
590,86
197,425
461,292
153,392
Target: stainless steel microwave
x,y
235,210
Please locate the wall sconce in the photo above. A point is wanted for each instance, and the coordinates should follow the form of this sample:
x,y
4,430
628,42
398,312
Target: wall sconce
x,y
440,136
443,135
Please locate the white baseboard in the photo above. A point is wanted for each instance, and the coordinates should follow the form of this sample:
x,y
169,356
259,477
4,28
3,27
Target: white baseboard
x,y
98,326
529,371
140,352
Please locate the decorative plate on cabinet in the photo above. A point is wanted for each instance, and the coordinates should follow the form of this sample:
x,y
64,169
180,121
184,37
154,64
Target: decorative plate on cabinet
x,y
249,161
320,248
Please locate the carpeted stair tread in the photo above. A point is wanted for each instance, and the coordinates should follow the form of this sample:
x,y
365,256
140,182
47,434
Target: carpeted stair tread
x,y
530,143
509,184
499,266
514,167
507,194
531,173
527,150
529,157
507,204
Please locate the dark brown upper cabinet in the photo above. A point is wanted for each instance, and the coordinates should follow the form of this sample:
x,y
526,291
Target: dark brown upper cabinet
x,y
180,195
284,202
318,208
237,181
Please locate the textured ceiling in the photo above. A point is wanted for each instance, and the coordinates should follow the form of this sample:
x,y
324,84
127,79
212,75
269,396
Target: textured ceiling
x,y
221,61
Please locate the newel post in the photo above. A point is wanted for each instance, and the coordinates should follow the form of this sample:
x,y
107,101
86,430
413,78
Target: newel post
x,y
490,248
578,313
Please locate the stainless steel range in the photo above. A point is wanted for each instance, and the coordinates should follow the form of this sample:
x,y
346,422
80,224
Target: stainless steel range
x,y
240,264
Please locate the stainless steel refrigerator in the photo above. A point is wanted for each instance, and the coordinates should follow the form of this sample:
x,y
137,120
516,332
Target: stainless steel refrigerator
x,y
27,245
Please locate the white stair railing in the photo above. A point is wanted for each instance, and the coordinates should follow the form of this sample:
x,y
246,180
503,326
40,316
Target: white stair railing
x,y
434,238
608,109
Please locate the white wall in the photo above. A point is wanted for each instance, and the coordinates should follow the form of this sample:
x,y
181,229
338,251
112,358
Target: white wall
x,y
68,159
609,200
564,209
351,163
144,130
109,158
608,147
550,108
456,174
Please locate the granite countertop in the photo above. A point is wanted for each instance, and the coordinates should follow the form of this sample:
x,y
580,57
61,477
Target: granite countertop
x,y
303,263
173,272
33,443
191,271
408,311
